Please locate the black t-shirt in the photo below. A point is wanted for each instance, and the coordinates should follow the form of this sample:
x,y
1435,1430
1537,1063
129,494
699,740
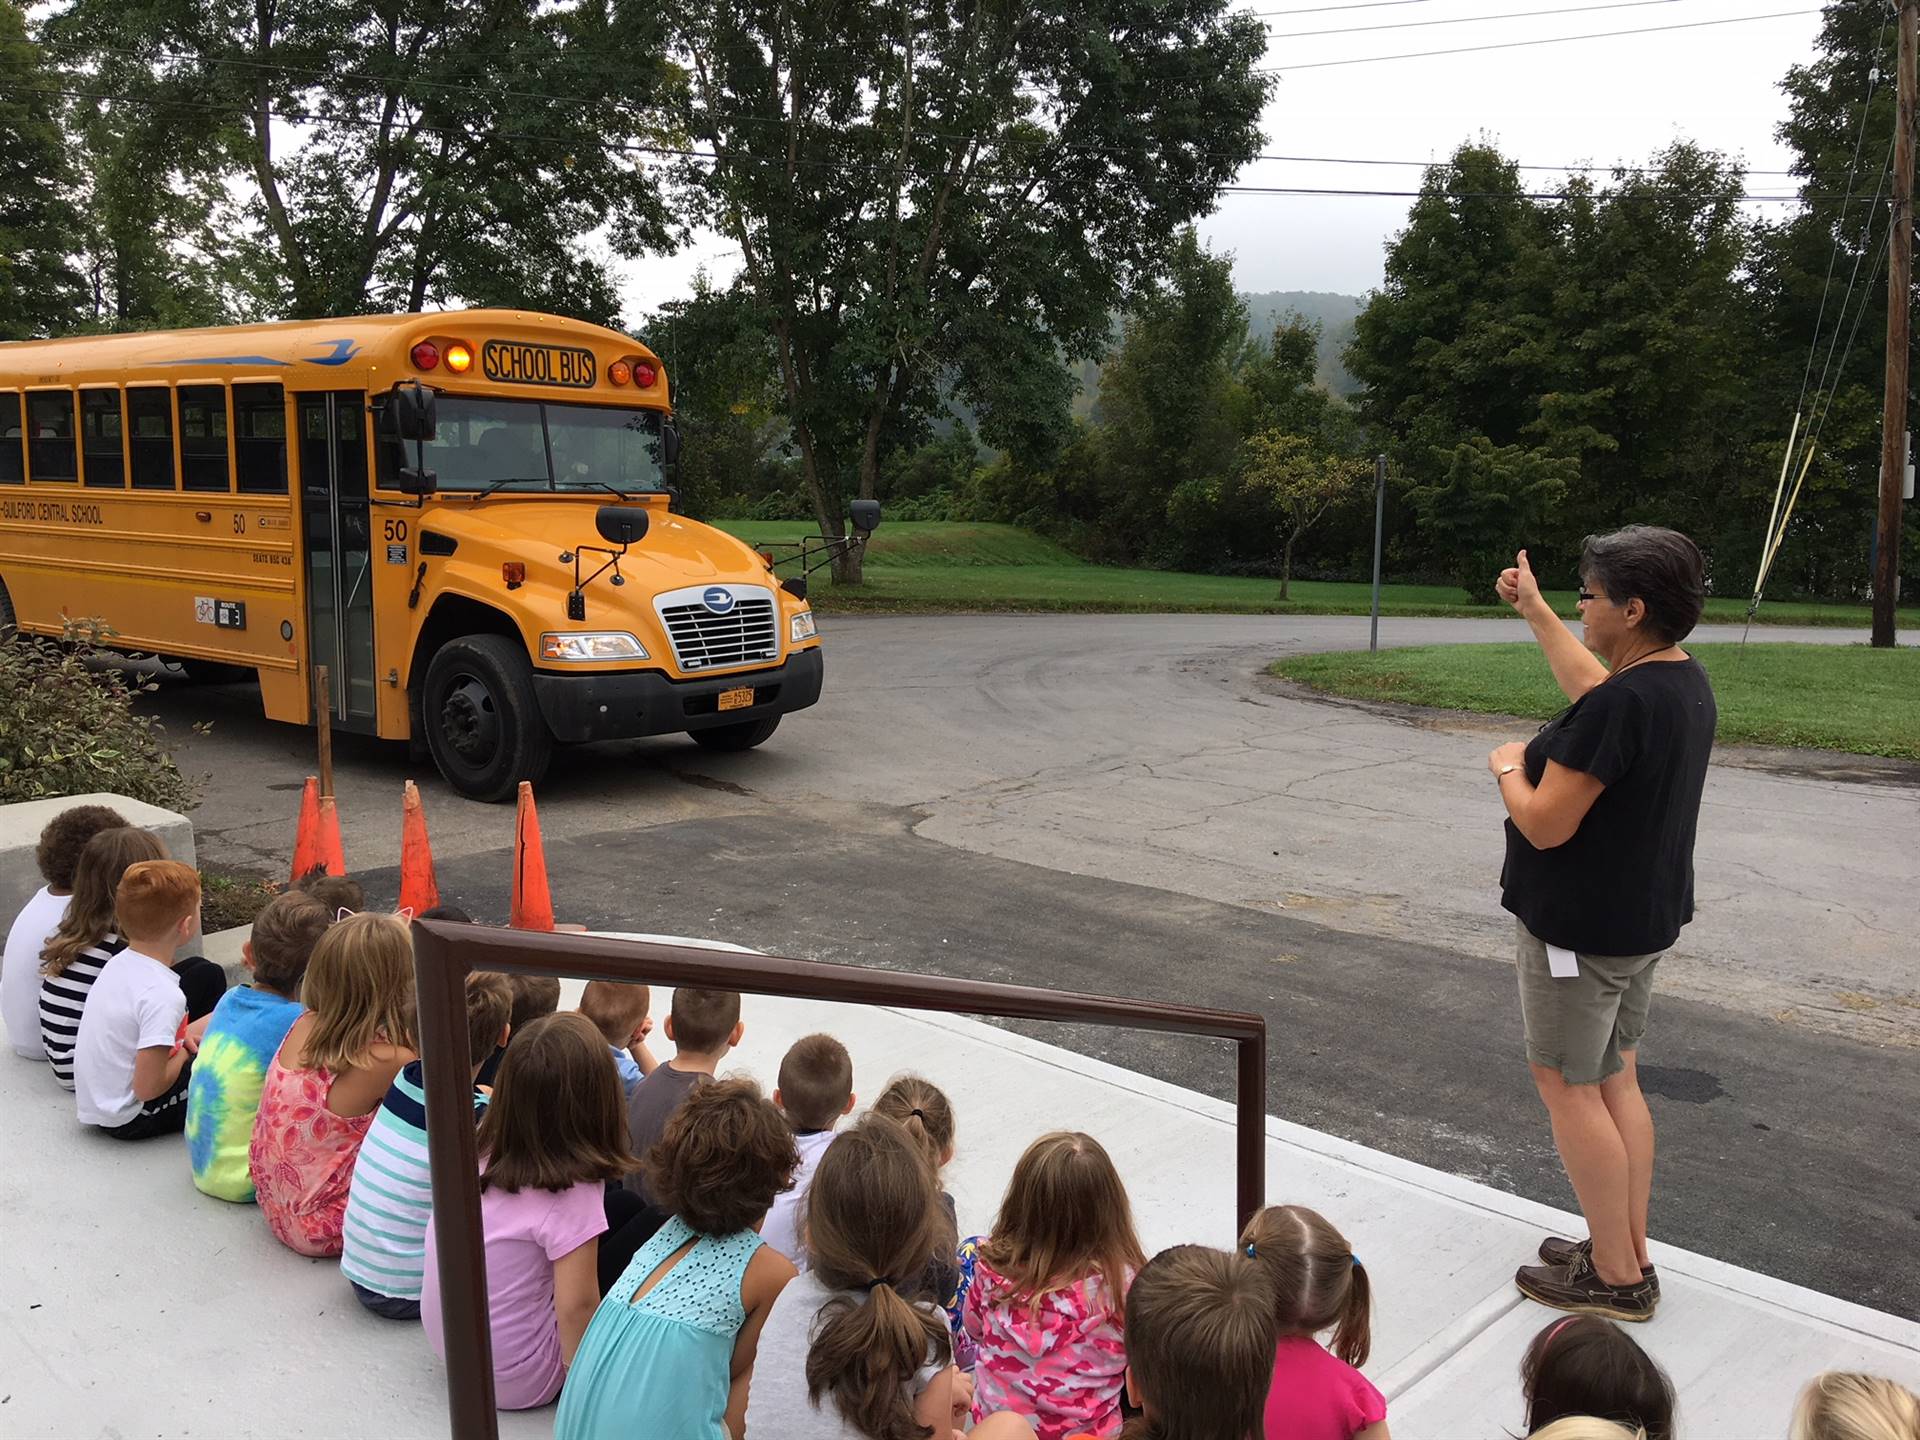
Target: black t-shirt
x,y
1623,885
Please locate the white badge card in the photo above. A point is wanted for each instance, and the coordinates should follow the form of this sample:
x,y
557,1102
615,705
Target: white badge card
x,y
1562,963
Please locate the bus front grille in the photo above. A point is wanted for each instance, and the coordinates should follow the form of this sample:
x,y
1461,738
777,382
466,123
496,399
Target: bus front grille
x,y
746,635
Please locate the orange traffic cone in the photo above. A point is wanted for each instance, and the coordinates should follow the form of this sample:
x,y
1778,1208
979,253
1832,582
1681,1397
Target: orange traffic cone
x,y
332,858
532,900
306,838
418,889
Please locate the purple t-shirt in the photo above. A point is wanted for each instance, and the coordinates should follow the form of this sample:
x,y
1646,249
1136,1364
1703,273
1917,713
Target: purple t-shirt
x,y
526,1232
1318,1396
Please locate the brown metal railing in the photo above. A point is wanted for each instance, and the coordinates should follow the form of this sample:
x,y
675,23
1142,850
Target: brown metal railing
x,y
446,952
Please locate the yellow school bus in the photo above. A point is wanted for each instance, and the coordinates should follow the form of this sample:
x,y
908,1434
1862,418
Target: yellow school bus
x,y
465,518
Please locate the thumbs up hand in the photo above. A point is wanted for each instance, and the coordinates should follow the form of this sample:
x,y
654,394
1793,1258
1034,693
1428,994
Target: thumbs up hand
x,y
1517,586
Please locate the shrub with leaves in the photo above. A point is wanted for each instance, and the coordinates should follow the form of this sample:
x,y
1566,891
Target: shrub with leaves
x,y
69,728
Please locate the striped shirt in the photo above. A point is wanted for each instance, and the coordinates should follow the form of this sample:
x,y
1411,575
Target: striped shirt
x,y
61,998
391,1198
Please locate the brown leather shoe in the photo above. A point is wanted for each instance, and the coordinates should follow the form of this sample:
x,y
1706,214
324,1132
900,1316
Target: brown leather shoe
x,y
1556,1251
1575,1287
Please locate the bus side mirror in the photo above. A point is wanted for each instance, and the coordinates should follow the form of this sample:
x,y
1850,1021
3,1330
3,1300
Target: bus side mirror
x,y
865,515
621,525
670,442
414,411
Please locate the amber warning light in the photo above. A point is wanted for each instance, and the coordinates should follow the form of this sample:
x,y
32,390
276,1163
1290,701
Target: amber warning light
x,y
459,358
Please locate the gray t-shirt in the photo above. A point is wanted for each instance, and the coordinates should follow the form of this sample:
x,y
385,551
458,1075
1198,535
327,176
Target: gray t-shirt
x,y
654,1101
777,1402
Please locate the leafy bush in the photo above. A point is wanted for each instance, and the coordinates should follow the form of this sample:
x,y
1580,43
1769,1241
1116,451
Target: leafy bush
x,y
69,728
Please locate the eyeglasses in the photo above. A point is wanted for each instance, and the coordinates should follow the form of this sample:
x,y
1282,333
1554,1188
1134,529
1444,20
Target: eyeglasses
x,y
1586,595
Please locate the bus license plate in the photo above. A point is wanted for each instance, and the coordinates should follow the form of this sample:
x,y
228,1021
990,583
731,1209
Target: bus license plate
x,y
736,699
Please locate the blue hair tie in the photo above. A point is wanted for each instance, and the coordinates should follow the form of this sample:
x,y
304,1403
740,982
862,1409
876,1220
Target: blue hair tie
x,y
1250,1254
1355,1259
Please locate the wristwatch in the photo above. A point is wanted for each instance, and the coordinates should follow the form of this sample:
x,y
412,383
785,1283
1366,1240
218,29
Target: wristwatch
x,y
1503,772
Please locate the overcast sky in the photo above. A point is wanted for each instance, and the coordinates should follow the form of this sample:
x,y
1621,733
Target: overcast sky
x,y
1591,101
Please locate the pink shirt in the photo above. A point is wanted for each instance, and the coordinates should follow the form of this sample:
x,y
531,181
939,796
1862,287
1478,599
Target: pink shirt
x,y
1061,1363
301,1157
1318,1396
526,1232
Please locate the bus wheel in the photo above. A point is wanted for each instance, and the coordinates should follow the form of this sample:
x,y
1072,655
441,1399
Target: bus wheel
x,y
744,736
9,624
483,725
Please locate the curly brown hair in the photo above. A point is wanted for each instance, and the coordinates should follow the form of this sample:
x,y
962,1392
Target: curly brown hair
x,y
727,1151
66,835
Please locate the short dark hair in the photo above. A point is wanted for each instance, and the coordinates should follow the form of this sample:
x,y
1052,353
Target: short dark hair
x,y
556,1119
725,1154
336,892
703,1019
446,912
66,835
1662,569
816,1081
284,934
489,1006
1200,1336
1584,1365
534,998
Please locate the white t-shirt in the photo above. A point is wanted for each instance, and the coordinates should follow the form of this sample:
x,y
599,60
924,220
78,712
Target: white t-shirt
x,y
136,1004
20,970
777,1401
781,1229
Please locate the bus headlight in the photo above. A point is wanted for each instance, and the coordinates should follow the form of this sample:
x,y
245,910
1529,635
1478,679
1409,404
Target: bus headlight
x,y
591,645
801,628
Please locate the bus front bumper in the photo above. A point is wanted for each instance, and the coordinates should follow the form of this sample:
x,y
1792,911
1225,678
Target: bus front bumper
x,y
627,703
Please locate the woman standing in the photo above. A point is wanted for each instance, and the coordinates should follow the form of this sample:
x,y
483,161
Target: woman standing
x,y
1602,807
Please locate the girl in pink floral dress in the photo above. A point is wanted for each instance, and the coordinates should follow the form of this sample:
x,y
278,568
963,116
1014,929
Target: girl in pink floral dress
x,y
329,1076
1049,1292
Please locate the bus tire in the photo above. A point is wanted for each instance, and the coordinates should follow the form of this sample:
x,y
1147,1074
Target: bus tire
x,y
744,736
483,724
9,622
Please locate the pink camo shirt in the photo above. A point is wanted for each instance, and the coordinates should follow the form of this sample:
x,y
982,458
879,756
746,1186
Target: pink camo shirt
x,y
1062,1364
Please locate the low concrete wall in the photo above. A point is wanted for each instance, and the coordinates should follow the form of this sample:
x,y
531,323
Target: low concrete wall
x,y
21,824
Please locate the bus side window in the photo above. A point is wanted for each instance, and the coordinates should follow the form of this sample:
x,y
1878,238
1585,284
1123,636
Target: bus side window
x,y
260,439
103,448
13,455
150,419
51,454
203,437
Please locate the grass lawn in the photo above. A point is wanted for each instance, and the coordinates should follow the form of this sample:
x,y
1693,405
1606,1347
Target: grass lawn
x,y
941,565
1832,697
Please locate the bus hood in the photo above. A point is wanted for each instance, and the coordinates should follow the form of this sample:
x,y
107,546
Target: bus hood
x,y
674,552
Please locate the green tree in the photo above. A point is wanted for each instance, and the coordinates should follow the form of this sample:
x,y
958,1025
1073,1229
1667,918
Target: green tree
x,y
41,291
432,151
1487,502
926,194
1296,484
719,360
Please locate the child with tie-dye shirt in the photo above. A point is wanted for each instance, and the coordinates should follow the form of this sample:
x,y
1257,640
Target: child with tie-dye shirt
x,y
223,1094
1047,1304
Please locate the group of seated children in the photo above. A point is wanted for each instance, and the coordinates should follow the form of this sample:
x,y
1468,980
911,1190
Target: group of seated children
x,y
676,1254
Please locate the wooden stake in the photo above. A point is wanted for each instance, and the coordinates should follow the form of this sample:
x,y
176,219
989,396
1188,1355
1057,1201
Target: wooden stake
x,y
323,721
1893,416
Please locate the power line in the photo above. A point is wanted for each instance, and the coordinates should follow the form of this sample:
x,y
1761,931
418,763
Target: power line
x,y
1322,9
1468,19
496,93
1526,44
886,167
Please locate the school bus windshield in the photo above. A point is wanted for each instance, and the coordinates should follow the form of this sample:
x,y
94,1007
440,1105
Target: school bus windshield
x,y
522,445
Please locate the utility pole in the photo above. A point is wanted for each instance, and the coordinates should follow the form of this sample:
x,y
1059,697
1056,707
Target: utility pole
x,y
1379,517
1893,417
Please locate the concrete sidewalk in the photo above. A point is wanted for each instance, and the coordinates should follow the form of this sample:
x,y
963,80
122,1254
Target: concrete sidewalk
x,y
130,1305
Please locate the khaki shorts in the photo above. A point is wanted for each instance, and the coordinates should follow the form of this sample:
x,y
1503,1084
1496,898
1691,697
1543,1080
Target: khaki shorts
x,y
1580,1025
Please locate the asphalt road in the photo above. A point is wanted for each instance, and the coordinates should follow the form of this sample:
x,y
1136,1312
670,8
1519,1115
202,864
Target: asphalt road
x,y
1124,803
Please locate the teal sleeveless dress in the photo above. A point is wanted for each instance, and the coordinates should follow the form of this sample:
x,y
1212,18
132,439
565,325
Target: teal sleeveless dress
x,y
661,1367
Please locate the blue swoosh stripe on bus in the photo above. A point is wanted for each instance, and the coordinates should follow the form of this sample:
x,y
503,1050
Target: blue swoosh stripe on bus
x,y
343,351
222,360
